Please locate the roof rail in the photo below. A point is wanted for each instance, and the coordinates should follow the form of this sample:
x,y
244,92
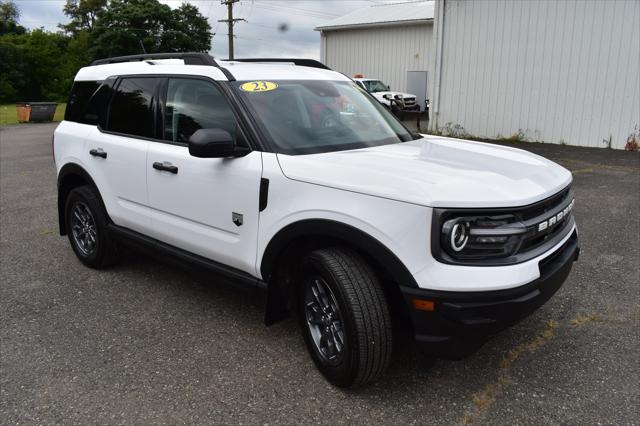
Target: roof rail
x,y
190,58
300,62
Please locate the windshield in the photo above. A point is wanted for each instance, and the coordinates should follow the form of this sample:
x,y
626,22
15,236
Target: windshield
x,y
374,86
312,116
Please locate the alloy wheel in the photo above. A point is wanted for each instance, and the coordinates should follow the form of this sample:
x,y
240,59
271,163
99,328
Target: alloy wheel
x,y
324,320
83,228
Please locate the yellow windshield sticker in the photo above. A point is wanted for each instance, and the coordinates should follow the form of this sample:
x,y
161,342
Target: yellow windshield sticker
x,y
259,86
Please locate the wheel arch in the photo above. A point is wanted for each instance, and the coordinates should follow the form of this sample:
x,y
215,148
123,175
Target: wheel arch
x,y
71,176
288,245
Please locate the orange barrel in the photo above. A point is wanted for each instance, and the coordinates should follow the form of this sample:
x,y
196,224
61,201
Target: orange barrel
x,y
24,111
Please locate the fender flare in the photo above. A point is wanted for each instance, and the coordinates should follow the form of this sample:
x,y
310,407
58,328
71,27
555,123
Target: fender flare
x,y
70,169
339,231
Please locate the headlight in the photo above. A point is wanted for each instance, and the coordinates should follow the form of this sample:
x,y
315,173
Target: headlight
x,y
456,234
501,236
481,237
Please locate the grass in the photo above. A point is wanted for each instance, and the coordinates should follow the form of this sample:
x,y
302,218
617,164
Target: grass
x,y
9,115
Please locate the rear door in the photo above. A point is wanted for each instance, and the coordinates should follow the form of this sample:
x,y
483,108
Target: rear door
x,y
117,151
207,206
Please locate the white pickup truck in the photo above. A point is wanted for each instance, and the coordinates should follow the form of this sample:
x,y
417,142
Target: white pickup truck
x,y
381,91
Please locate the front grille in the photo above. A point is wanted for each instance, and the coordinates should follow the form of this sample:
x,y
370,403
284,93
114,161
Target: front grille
x,y
540,208
409,101
545,212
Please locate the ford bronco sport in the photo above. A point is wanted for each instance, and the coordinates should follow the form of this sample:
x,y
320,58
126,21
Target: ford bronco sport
x,y
289,177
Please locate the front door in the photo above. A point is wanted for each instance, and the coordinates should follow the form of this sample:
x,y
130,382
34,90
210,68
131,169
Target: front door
x,y
207,206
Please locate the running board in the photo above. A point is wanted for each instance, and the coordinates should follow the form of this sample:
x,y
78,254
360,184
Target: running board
x,y
155,247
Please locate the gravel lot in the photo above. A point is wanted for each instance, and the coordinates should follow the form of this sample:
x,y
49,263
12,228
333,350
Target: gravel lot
x,y
146,343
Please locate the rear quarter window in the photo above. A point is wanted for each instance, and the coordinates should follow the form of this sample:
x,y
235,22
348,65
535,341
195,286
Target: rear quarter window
x,y
96,111
81,93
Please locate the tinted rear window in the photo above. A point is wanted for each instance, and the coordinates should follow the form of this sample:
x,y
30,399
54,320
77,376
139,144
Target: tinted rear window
x,y
131,110
81,92
96,111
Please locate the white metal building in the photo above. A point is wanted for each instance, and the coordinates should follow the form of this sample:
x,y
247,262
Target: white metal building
x,y
382,41
540,70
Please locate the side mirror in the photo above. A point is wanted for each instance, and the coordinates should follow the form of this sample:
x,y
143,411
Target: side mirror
x,y
211,143
388,88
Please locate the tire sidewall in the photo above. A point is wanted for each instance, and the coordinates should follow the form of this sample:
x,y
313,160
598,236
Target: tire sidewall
x,y
344,373
86,196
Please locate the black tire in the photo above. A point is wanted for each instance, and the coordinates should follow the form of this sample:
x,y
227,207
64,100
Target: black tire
x,y
367,341
103,251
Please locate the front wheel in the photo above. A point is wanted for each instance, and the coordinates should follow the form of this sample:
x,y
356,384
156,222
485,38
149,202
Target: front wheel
x,y
344,317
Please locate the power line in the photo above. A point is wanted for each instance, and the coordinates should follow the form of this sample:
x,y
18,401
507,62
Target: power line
x,y
253,38
301,9
271,27
250,10
295,11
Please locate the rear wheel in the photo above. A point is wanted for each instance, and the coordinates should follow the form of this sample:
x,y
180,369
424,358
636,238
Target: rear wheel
x,y
344,317
86,223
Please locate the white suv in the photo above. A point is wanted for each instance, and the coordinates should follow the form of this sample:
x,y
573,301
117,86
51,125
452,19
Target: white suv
x,y
288,177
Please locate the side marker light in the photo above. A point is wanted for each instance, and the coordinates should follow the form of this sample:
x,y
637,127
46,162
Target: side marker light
x,y
423,305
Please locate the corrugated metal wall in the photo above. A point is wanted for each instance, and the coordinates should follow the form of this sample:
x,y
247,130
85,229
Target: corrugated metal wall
x,y
386,53
555,71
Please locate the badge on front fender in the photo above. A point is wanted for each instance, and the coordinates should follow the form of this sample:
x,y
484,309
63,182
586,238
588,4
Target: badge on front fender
x,y
237,218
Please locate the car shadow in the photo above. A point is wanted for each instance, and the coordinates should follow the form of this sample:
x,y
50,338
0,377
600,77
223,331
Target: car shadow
x,y
216,289
242,310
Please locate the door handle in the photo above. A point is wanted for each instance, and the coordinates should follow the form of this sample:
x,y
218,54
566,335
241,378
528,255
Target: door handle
x,y
98,153
165,167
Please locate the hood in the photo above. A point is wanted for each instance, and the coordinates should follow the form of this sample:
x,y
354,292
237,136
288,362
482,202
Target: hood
x,y
435,172
392,93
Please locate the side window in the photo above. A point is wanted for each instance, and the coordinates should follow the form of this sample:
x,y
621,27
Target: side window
x,y
81,92
96,111
131,109
195,104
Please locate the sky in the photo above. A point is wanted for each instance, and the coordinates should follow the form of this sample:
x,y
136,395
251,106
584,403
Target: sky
x,y
274,28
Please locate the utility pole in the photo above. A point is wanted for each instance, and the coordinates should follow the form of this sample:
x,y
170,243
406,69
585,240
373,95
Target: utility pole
x,y
230,21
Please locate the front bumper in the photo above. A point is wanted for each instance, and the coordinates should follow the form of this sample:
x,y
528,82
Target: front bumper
x,y
460,322
411,108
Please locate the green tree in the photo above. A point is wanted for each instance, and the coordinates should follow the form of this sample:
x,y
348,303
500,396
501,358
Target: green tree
x,y
11,68
35,66
188,31
9,11
83,15
9,15
40,65
124,27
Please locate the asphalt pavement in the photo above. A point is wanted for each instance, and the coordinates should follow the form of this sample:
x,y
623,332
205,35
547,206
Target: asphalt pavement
x,y
144,342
